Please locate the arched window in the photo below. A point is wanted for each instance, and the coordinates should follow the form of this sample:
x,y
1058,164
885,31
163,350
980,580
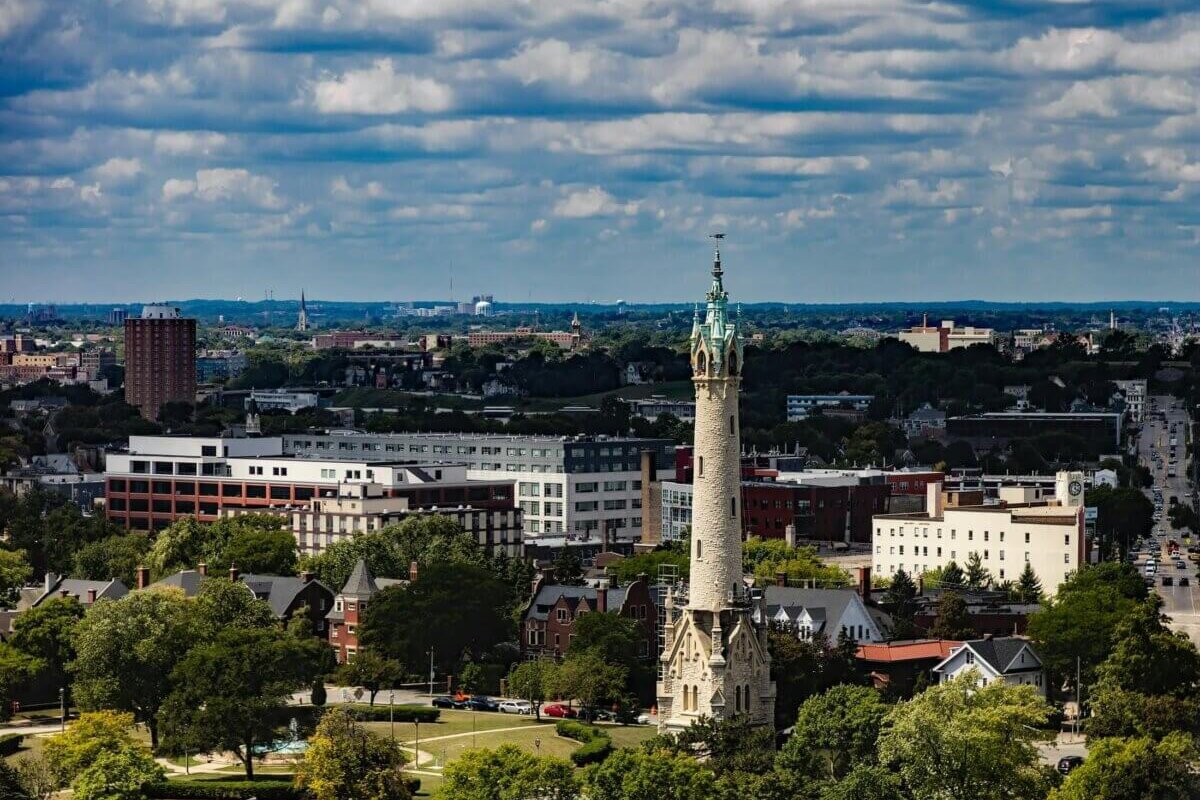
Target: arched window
x,y
747,695
731,430
695,698
737,703
699,548
733,507
686,698
733,363
702,362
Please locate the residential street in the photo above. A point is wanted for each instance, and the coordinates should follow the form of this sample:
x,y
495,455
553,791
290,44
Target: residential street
x,y
1181,603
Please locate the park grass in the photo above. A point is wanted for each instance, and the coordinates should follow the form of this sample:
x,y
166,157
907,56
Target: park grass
x,y
629,735
450,723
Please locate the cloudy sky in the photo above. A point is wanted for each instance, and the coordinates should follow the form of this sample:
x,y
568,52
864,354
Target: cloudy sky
x,y
581,149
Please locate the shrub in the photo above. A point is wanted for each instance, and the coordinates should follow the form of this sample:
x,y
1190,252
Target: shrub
x,y
10,743
263,789
596,743
378,713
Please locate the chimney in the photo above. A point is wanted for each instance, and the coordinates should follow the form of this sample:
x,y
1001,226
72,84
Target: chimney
x,y
412,572
602,599
781,579
143,577
307,577
789,535
202,568
934,501
64,592
51,580
91,597
234,573
921,584
864,583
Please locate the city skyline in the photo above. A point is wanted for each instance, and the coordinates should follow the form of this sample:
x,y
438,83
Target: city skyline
x,y
1004,151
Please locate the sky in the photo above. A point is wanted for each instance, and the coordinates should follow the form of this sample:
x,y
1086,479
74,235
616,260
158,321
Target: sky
x,y
574,150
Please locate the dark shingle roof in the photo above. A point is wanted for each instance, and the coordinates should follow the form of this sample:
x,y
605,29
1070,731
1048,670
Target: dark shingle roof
x,y
1000,652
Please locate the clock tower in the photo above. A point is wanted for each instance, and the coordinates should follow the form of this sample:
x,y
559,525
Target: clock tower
x,y
1068,489
715,661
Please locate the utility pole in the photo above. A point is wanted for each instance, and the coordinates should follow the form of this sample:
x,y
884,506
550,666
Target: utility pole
x,y
392,713
1078,703
431,673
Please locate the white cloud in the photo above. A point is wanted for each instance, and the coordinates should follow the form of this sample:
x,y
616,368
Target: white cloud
x,y
551,60
225,185
591,202
913,192
380,90
189,143
119,170
341,189
15,14
175,188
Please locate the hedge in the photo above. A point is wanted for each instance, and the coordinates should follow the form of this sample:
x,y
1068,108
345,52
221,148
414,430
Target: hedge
x,y
381,713
596,743
267,789
11,743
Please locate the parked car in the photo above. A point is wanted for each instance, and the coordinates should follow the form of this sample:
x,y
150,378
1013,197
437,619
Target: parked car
x,y
559,710
446,701
1066,764
1168,580
481,703
516,707
1184,581
644,718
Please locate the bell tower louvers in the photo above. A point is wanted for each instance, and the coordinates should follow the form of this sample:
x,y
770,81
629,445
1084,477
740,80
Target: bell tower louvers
x,y
715,661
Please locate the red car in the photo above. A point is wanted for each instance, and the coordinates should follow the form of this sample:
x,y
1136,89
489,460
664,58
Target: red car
x,y
558,710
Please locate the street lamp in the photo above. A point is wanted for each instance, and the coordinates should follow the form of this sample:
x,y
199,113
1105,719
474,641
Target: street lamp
x,y
62,704
392,712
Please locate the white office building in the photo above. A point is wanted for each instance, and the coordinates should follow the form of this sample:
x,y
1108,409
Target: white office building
x,y
1006,535
585,487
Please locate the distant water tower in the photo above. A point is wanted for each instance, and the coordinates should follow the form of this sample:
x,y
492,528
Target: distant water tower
x,y
483,308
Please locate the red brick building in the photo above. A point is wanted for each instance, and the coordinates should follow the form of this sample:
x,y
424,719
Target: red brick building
x,y
160,359
549,621
349,606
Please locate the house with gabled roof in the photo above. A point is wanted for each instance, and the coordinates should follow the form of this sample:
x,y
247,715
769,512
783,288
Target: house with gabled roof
x,y
350,603
85,591
1006,658
549,620
285,594
831,612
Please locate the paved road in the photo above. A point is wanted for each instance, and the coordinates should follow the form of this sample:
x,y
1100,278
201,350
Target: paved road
x,y
1181,603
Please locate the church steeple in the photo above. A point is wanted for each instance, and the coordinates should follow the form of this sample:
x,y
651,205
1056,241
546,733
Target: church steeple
x,y
302,317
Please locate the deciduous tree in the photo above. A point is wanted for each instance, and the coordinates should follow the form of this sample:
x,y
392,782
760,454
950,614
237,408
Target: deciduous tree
x,y
958,739
45,633
953,619
371,671
231,692
509,773
834,732
127,649
345,761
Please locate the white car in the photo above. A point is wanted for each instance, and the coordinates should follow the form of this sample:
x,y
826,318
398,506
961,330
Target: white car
x,y
515,707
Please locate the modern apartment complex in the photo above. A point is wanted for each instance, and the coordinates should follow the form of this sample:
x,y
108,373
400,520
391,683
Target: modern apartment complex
x,y
160,359
801,406
585,486
1006,535
164,478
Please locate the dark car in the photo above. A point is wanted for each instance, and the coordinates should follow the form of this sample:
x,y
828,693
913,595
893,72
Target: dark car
x,y
1184,582
446,701
481,703
1168,580
1068,763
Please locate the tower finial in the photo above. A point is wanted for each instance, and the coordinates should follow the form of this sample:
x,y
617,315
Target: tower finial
x,y
717,237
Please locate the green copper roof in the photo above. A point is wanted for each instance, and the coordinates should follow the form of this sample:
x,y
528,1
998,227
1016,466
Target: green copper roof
x,y
718,332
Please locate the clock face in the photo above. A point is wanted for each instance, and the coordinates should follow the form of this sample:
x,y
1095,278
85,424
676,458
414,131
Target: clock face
x,y
1075,488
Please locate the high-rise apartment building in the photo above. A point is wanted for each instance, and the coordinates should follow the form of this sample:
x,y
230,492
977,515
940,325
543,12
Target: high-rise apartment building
x,y
160,359
715,661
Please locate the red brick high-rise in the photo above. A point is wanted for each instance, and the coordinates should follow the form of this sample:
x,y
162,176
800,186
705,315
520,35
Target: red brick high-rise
x,y
160,359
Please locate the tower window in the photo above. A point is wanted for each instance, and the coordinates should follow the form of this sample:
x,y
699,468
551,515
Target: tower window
x,y
700,466
733,507
731,431
699,548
